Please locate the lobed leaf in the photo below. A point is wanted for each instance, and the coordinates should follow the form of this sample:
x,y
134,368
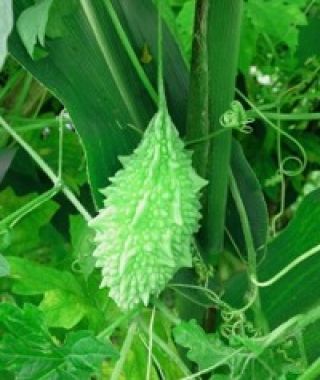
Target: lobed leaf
x,y
28,350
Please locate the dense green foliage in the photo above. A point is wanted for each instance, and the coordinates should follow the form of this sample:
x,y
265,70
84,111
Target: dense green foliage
x,y
238,299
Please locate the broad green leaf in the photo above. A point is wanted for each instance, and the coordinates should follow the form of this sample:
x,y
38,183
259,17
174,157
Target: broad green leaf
x,y
6,23
308,40
30,352
140,16
4,266
297,291
32,23
311,144
73,70
252,198
24,237
33,278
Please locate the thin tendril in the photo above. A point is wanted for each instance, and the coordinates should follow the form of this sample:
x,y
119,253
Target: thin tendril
x,y
154,358
302,162
149,366
311,252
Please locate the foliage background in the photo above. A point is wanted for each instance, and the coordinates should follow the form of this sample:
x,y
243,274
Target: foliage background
x,y
48,277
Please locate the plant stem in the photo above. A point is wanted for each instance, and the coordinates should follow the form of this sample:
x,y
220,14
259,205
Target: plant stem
x,y
108,56
124,351
306,255
224,22
23,94
60,158
150,343
17,215
166,349
166,312
132,55
287,116
252,257
216,365
47,170
11,82
123,318
154,359
312,373
197,116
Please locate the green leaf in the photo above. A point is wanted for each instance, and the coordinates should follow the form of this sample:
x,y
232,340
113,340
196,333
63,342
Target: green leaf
x,y
311,144
297,291
185,21
62,291
4,266
6,23
308,40
204,349
25,236
29,351
74,164
73,71
264,15
31,25
252,198
62,309
64,304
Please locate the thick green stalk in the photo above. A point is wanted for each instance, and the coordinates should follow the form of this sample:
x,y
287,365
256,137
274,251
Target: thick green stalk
x,y
224,22
197,117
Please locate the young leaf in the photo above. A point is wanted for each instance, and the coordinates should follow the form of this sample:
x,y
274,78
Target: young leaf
x,y
31,25
6,23
29,351
205,350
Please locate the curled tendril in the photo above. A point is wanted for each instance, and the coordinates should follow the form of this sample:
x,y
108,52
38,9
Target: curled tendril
x,y
236,118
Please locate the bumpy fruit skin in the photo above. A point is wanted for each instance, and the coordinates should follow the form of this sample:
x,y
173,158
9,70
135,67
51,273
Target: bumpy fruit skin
x,y
151,211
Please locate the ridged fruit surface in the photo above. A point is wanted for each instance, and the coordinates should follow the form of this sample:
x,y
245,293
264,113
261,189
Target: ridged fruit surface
x,y
151,211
